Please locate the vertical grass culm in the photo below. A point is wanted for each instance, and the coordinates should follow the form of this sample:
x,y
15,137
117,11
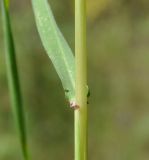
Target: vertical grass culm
x,y
13,79
81,81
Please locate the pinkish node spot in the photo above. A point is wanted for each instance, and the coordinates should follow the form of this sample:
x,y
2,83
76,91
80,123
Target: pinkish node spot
x,y
74,105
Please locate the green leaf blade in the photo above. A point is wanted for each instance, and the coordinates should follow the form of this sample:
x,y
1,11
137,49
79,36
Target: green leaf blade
x,y
13,79
55,46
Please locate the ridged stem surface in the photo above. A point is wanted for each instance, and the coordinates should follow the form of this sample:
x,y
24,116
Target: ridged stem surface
x,y
81,81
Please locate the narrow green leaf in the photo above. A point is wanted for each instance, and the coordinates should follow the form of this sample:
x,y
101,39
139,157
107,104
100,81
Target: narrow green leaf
x,y
13,79
56,46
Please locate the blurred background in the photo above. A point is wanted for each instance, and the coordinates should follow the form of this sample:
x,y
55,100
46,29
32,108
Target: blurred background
x,y
118,65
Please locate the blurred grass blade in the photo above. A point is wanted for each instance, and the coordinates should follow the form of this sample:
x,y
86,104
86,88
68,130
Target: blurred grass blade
x,y
15,94
56,46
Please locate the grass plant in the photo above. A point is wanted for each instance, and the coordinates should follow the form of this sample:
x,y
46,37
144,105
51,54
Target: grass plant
x,y
81,81
13,79
71,70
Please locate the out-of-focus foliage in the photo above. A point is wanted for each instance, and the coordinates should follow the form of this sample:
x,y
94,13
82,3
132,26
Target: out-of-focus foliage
x,y
118,36
95,8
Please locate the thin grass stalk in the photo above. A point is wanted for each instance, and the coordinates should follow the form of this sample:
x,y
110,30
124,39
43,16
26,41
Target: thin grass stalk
x,y
13,79
81,81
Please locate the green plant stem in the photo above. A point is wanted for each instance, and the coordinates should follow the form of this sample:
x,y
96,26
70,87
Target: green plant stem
x,y
13,79
81,81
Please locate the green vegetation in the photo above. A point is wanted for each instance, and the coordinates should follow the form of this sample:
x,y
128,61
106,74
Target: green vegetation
x,y
12,72
118,79
62,58
81,81
56,46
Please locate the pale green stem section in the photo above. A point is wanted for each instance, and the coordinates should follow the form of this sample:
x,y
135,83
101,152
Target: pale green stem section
x,y
81,81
